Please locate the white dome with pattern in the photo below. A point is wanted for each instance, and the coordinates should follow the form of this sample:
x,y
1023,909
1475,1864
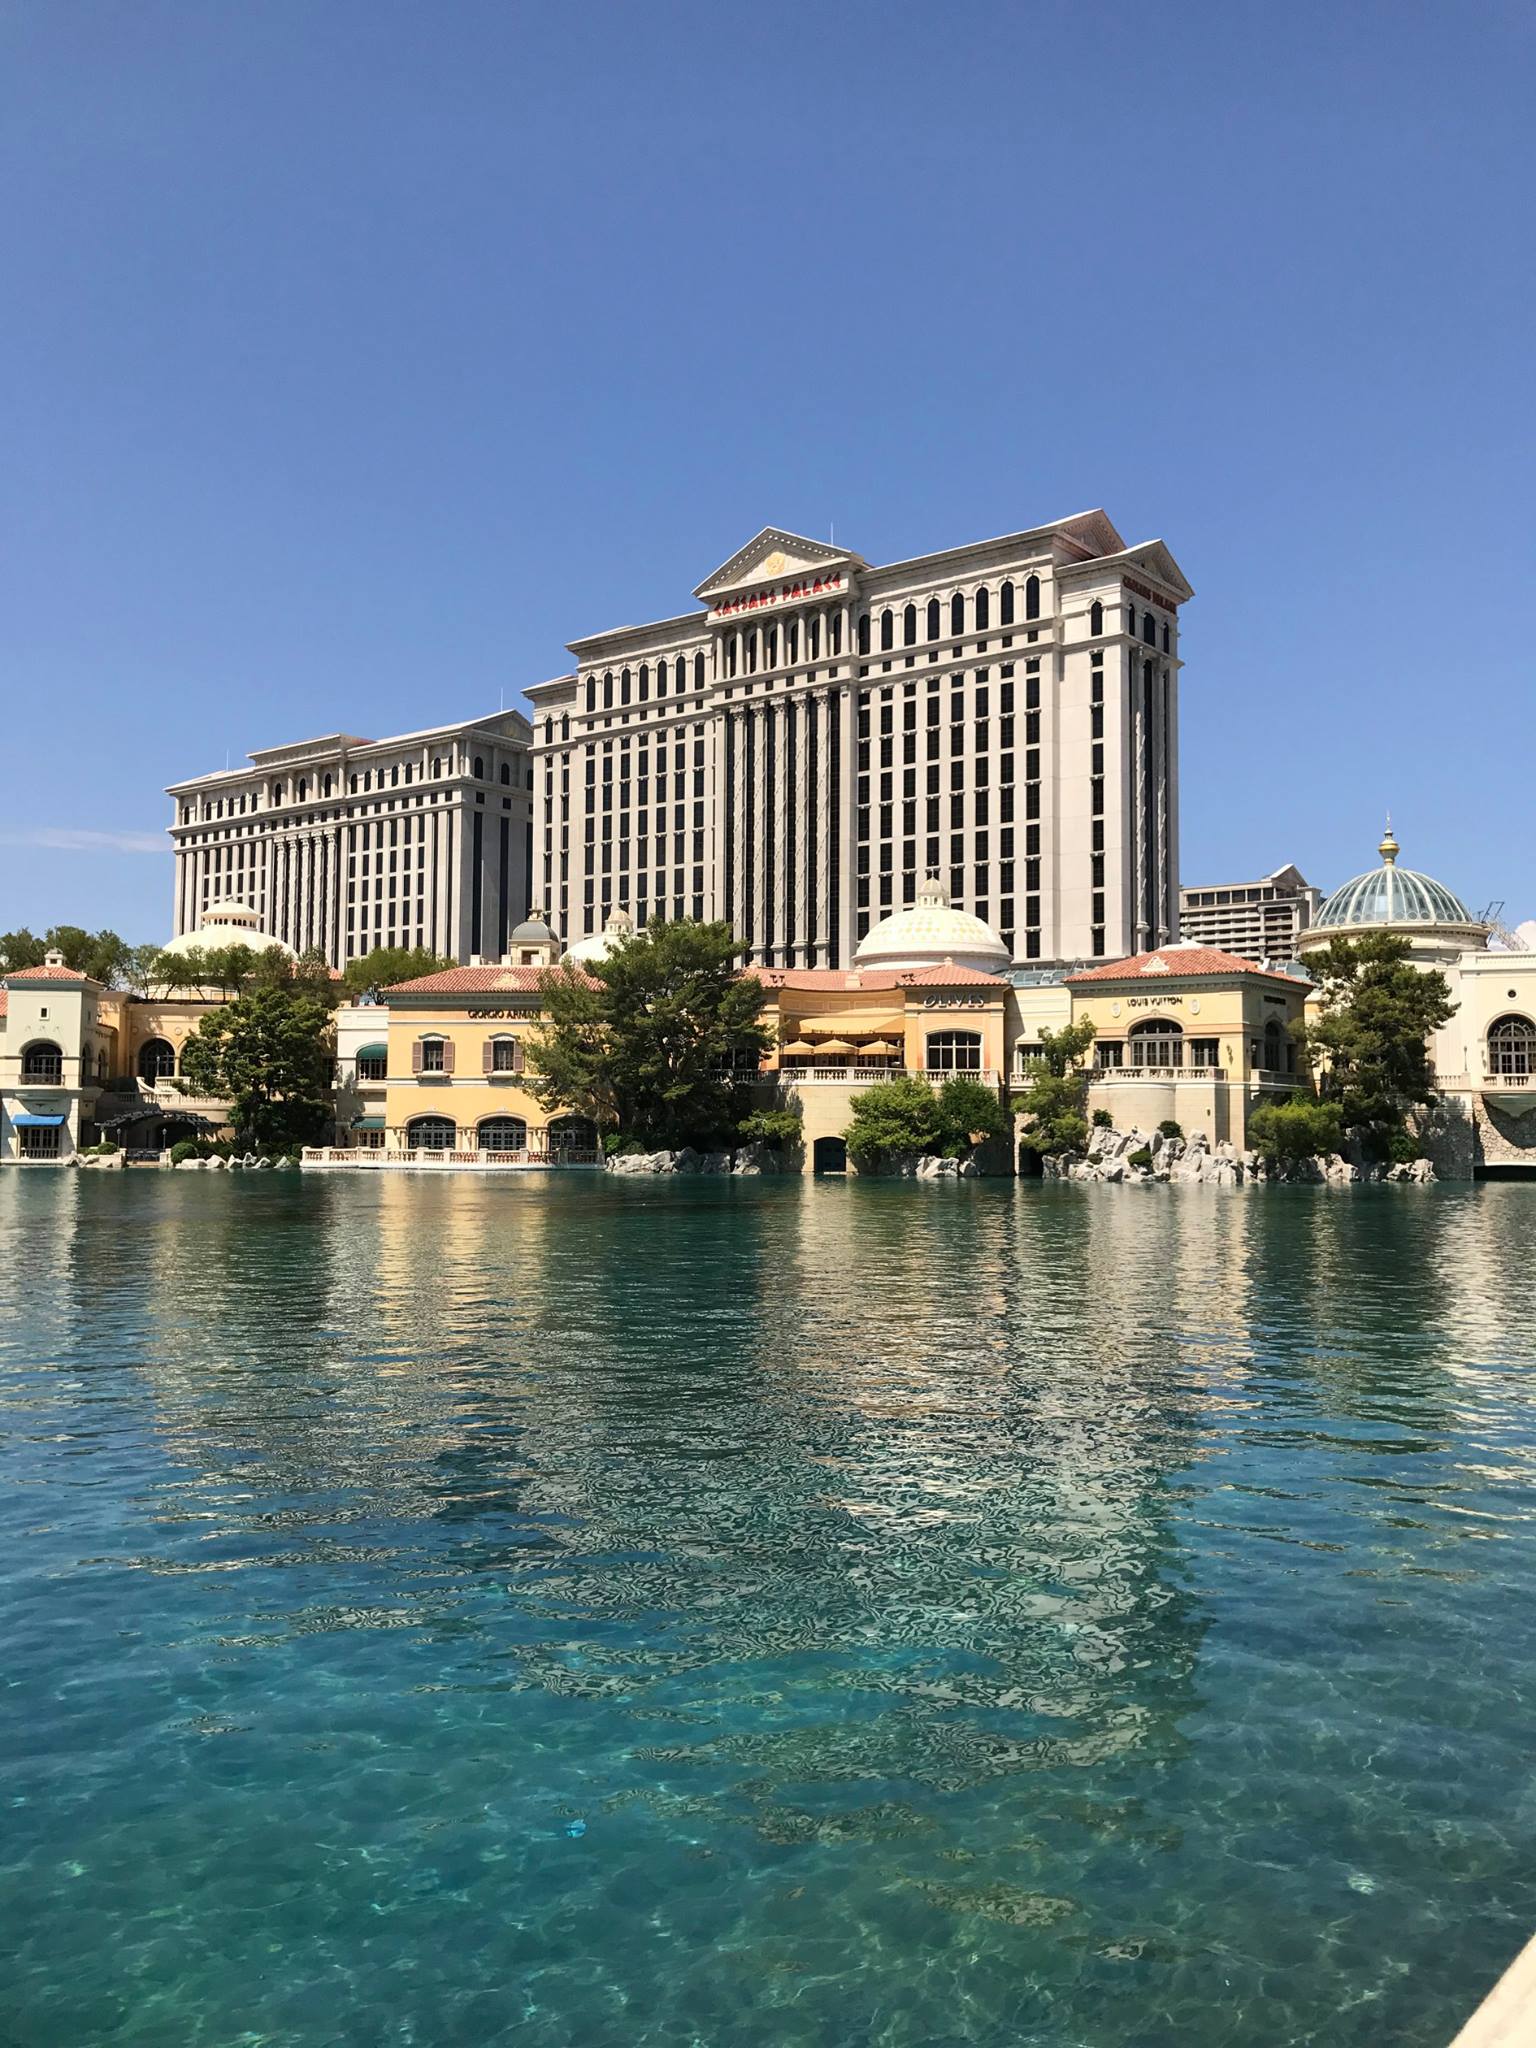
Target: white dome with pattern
x,y
932,934
227,924
598,945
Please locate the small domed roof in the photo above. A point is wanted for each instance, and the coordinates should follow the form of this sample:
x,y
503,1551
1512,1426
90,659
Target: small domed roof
x,y
1390,895
930,934
598,945
227,924
532,931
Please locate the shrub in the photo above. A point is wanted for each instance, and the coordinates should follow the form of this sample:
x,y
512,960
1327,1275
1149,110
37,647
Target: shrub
x,y
1168,1128
775,1127
185,1150
1102,1120
1140,1157
1298,1129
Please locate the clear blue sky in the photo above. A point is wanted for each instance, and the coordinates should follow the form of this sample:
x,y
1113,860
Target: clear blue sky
x,y
356,355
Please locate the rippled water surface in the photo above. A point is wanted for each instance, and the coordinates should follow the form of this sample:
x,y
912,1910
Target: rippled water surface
x,y
451,1613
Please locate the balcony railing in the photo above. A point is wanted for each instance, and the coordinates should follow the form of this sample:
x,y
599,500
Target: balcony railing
x,y
1524,1083
870,1071
1096,1075
376,1158
43,1074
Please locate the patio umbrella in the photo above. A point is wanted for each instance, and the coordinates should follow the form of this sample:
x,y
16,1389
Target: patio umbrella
x,y
878,1049
834,1045
800,1047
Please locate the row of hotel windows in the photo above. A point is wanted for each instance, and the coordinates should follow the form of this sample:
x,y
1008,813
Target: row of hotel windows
x,y
42,1064
325,786
1160,1042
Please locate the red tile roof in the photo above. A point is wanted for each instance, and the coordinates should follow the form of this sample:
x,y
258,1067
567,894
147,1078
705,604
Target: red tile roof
x,y
873,980
469,981
44,974
1179,961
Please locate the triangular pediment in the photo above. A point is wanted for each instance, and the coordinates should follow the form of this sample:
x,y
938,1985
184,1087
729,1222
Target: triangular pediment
x,y
772,556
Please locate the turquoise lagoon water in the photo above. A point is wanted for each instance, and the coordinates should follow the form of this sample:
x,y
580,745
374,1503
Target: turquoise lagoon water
x,y
452,1613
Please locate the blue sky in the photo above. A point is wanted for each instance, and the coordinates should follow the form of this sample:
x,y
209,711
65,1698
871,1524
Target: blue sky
x,y
357,355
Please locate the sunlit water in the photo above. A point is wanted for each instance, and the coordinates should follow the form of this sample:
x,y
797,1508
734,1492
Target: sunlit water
x,y
444,1613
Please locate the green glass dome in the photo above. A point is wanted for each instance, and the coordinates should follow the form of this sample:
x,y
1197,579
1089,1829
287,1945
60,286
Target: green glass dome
x,y
1390,895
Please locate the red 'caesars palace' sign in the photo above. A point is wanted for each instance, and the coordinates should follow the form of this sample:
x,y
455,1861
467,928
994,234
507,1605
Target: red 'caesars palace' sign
x,y
785,593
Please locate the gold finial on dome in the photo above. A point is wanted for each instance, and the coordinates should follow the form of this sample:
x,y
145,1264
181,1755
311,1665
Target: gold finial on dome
x,y
1389,848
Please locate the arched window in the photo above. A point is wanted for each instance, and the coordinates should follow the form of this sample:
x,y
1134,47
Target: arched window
x,y
506,773
479,768
887,629
1149,629
732,642
954,1052
1096,618
277,792
565,725
591,697
1512,1046
42,1063
1157,1042
1167,639
1032,598
863,632
909,626
1272,1058
432,1055
502,1134
437,766
101,1065
157,1060
325,787
1130,620
623,685
1005,605
983,609
836,634
957,613
303,789
608,689
933,618
752,654
352,784
645,682
431,1134
698,671
568,1134
502,1055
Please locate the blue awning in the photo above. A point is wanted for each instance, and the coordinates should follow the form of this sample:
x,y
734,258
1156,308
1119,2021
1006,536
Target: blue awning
x,y
24,1120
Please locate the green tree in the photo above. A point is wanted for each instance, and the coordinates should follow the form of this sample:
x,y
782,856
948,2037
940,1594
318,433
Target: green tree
x,y
386,966
657,1039
1298,1129
1370,1044
20,949
969,1113
102,955
1056,1098
776,1127
900,1115
269,1054
144,969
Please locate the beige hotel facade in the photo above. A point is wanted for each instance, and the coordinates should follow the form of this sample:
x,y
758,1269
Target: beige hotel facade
x,y
798,753
346,844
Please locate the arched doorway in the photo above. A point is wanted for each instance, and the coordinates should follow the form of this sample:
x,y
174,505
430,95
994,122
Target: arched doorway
x,y
829,1155
1158,1042
430,1134
502,1134
571,1134
157,1060
1512,1047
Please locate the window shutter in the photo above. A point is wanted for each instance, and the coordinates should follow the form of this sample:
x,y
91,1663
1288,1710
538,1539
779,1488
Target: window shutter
x,y
416,1057
488,1056
448,1051
518,1061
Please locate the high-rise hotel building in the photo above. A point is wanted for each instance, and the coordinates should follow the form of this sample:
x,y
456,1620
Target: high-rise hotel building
x,y
795,756
349,844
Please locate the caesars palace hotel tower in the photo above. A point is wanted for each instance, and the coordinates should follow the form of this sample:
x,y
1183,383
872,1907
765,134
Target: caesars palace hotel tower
x,y
799,754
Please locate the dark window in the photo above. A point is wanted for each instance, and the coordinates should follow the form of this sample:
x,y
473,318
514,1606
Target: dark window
x,y
1032,598
1005,605
1096,618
